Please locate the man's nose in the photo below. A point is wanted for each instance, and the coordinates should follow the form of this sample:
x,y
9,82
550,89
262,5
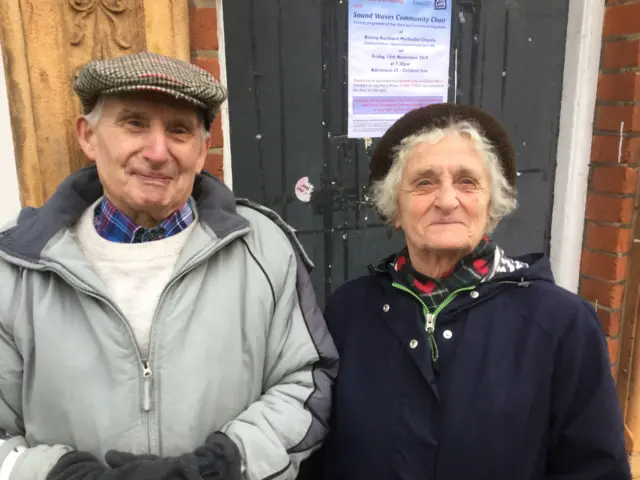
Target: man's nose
x,y
156,149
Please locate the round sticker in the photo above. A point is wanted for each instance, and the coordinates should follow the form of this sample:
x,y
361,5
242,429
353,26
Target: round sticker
x,y
304,189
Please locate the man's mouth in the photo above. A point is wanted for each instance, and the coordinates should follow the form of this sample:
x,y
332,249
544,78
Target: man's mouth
x,y
153,177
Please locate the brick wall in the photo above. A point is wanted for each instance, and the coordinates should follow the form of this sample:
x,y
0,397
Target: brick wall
x,y
203,33
613,180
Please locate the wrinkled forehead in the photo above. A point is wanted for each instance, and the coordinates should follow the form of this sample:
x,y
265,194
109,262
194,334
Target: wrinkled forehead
x,y
450,156
151,104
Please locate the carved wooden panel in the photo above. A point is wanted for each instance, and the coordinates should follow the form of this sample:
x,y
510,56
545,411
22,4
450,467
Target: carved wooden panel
x,y
44,43
113,26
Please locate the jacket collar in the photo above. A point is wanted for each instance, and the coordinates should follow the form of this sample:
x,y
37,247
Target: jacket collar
x,y
36,227
524,268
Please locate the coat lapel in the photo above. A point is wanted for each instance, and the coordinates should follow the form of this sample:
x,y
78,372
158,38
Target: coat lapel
x,y
404,318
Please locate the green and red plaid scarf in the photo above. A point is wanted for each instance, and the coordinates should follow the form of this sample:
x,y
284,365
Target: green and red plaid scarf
x,y
469,272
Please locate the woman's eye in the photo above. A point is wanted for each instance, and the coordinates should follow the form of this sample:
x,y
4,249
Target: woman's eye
x,y
467,181
425,183
135,123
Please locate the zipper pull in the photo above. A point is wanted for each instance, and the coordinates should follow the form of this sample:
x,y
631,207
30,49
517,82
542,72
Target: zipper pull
x,y
146,374
431,338
431,322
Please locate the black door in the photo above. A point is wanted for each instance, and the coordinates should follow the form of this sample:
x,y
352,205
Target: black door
x,y
287,75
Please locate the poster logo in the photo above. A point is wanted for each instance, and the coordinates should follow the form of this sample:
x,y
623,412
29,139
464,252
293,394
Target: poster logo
x,y
423,3
440,5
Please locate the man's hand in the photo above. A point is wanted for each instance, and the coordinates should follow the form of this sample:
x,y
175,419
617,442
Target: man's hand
x,y
125,466
219,458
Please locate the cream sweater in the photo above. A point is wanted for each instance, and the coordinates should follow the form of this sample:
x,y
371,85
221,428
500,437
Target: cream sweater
x,y
134,274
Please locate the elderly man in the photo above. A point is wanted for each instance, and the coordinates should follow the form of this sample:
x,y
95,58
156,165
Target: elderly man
x,y
151,327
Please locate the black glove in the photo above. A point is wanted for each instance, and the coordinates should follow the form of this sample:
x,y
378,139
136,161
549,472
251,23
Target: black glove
x,y
219,458
125,466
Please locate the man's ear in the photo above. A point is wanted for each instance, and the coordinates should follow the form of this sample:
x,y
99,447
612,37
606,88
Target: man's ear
x,y
85,135
206,143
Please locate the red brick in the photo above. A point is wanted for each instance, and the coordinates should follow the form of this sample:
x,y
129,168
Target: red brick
x,y
610,322
607,149
614,179
621,20
211,65
619,86
613,117
604,265
607,294
203,28
216,132
610,239
609,209
621,54
213,165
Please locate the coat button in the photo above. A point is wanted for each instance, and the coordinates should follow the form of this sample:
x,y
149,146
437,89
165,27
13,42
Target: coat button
x,y
447,334
474,294
386,308
413,344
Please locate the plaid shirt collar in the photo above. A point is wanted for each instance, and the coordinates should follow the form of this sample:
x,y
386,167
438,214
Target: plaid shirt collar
x,y
113,225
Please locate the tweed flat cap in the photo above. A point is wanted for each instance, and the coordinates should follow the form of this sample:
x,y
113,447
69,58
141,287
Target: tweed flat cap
x,y
145,71
438,116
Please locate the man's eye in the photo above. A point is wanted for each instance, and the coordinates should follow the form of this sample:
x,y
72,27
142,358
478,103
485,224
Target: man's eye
x,y
135,123
467,181
425,183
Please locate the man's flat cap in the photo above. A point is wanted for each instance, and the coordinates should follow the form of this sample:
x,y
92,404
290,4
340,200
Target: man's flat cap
x,y
442,115
147,71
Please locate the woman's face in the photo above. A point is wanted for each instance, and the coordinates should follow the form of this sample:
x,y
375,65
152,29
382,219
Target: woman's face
x,y
444,197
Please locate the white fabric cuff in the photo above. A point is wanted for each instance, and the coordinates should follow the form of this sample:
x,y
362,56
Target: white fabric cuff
x,y
10,462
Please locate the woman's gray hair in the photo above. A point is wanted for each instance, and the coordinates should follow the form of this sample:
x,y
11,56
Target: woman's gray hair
x,y
384,192
93,117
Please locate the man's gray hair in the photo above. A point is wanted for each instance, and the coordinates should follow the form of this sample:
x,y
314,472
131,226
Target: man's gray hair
x,y
384,192
93,117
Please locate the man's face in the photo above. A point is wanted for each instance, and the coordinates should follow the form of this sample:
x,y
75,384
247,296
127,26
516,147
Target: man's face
x,y
148,148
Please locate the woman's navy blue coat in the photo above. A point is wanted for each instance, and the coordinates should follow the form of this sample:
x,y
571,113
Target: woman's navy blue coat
x,y
522,390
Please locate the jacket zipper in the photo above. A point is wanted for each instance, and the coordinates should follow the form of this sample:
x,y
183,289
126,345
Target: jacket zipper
x,y
147,372
430,318
146,369
188,268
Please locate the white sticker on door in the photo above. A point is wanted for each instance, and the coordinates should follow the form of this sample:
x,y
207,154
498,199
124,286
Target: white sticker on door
x,y
304,189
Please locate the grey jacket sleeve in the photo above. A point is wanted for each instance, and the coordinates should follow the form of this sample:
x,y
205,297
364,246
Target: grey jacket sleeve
x,y
17,460
289,420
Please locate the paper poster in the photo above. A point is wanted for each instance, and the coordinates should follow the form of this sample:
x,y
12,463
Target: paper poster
x,y
398,60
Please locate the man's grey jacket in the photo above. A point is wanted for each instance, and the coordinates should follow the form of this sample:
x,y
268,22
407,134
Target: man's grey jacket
x,y
238,343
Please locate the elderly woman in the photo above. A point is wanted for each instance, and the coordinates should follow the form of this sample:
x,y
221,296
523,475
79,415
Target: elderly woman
x,y
458,362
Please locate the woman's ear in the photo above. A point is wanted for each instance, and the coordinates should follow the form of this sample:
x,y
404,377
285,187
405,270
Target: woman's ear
x,y
85,135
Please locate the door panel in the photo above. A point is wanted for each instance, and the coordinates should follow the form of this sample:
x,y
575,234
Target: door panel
x,y
287,66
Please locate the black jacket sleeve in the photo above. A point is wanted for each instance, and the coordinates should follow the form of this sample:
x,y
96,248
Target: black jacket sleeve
x,y
586,439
